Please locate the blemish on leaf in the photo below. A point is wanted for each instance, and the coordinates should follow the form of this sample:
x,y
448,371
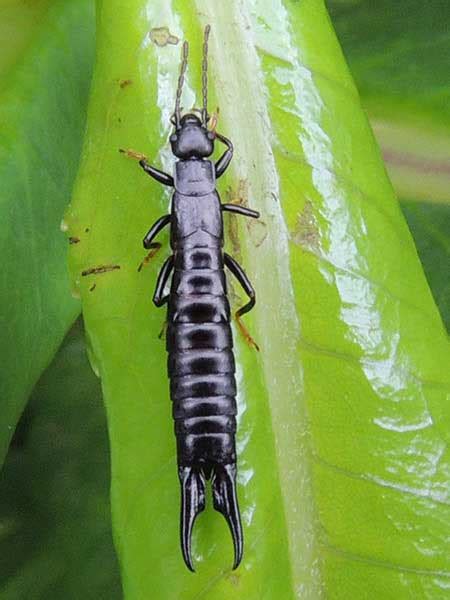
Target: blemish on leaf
x,y
99,269
306,231
213,120
256,228
241,195
161,36
155,246
74,240
257,231
125,82
132,154
93,286
238,196
234,579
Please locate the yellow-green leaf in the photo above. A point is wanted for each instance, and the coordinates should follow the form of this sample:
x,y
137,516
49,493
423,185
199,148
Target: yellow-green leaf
x,y
399,55
343,419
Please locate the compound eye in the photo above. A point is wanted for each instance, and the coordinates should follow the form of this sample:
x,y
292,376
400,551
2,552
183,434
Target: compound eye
x,y
211,135
173,137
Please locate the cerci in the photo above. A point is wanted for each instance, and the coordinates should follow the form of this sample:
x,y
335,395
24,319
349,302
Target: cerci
x,y
199,339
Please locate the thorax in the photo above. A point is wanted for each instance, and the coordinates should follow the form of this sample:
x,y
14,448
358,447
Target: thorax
x,y
194,177
196,211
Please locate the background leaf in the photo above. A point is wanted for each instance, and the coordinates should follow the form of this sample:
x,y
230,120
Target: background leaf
x,y
55,539
399,55
43,95
343,416
430,225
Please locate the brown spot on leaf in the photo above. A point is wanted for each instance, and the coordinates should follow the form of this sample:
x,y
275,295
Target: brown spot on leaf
x,y
74,240
238,196
257,229
99,269
132,153
125,82
153,250
161,36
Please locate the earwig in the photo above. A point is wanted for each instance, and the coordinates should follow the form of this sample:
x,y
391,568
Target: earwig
x,y
199,339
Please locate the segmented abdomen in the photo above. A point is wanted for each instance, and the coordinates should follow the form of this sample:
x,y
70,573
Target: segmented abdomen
x,y
201,363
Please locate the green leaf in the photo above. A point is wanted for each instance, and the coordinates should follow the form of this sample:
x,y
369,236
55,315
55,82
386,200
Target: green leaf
x,y
430,224
45,80
55,539
400,54
343,419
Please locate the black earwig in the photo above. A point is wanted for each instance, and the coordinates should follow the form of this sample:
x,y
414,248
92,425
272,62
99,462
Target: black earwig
x,y
199,340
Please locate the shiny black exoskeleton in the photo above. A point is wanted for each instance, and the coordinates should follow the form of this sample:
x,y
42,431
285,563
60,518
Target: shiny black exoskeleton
x,y
199,339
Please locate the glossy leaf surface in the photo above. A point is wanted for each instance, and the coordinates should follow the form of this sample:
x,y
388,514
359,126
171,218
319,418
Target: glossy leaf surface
x,y
343,415
399,54
43,93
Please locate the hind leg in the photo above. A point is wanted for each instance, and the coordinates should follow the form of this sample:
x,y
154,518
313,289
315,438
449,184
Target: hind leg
x,y
240,275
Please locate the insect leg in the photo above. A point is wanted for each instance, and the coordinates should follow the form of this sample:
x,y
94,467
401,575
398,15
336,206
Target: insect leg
x,y
156,173
154,230
240,275
164,274
223,162
241,210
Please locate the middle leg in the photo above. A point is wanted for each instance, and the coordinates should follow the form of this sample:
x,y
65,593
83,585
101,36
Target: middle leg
x,y
163,277
241,210
154,230
148,242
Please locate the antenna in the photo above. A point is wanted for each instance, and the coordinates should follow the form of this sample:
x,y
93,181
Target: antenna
x,y
184,59
205,76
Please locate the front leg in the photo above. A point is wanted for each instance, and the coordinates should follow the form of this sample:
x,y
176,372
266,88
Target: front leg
x,y
156,173
223,162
